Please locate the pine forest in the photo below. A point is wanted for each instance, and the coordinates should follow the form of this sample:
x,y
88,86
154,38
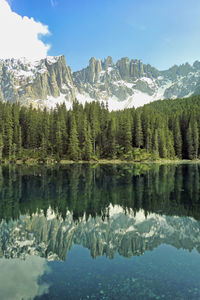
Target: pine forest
x,y
167,129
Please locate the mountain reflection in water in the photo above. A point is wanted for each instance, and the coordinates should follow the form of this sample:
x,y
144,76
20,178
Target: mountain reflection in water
x,y
108,209
54,221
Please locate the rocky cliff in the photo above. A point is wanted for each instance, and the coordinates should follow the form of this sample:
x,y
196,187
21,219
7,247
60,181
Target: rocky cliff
x,y
127,83
131,83
36,83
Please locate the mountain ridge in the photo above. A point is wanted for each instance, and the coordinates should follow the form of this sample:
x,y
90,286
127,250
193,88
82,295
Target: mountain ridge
x,y
123,84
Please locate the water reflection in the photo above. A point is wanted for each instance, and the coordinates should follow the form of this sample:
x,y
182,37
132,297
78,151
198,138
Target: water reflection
x,y
108,209
88,191
127,234
112,212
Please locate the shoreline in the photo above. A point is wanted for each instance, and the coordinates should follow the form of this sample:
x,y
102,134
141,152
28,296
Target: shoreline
x,y
33,162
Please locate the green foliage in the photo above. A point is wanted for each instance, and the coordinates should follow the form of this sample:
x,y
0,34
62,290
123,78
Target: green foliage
x,y
138,133
1,147
141,154
163,129
192,137
74,151
87,142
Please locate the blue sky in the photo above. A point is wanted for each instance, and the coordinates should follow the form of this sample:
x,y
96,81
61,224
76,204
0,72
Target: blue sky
x,y
162,33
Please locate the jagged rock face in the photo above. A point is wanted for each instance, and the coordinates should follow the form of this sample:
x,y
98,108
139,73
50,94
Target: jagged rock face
x,y
130,69
128,234
125,84
131,83
28,82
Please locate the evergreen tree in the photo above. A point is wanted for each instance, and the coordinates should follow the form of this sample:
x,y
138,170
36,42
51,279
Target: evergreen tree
x,y
190,148
195,135
44,147
19,143
170,145
58,145
138,134
8,131
125,136
1,147
110,148
192,138
162,143
13,155
94,122
177,139
155,145
148,140
87,143
162,128
74,150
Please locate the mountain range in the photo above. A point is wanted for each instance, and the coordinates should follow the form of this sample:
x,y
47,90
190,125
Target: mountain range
x,y
127,83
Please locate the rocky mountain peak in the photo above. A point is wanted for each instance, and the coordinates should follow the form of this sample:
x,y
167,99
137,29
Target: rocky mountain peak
x,y
130,68
108,62
95,67
33,82
127,83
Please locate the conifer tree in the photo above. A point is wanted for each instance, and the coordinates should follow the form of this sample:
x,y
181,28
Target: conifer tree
x,y
195,135
44,146
163,128
192,137
61,116
87,143
13,155
155,144
1,147
110,150
162,143
58,145
125,136
177,139
94,122
148,140
32,129
15,118
170,144
8,131
74,150
189,139
138,134
19,143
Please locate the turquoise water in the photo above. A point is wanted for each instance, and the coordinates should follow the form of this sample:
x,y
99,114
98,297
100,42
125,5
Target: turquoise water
x,y
164,273
104,232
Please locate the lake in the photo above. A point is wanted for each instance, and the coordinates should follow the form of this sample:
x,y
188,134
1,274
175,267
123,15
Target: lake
x,y
100,232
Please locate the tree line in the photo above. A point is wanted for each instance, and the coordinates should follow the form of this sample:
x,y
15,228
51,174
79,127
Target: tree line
x,y
163,129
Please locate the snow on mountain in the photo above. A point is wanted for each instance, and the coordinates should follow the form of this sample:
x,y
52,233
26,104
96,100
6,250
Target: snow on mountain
x,y
127,83
40,83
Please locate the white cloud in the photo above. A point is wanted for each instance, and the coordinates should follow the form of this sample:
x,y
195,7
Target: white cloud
x,y
19,36
19,278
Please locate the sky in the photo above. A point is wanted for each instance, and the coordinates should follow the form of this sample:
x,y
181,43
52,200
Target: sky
x,y
162,33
